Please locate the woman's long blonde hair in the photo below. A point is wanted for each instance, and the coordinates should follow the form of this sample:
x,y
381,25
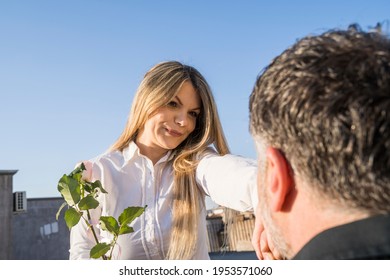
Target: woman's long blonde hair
x,y
159,86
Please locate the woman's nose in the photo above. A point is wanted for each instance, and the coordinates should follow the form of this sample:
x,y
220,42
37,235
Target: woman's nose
x,y
181,118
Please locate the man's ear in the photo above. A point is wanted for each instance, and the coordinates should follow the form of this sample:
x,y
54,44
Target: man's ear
x,y
279,179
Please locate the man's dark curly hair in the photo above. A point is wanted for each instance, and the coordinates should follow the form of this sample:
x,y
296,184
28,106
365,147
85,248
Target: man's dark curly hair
x,y
325,103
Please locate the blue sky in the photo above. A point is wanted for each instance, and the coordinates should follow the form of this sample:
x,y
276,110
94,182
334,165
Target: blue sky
x,y
69,69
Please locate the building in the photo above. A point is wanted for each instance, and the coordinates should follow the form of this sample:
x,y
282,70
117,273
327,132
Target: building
x,y
231,241
37,235
6,213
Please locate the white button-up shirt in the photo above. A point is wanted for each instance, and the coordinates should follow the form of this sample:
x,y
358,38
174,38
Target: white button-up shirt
x,y
131,179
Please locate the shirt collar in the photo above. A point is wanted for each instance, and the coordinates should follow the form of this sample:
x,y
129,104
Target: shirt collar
x,y
132,150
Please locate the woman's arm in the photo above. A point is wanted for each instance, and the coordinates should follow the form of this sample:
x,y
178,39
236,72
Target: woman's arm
x,y
229,180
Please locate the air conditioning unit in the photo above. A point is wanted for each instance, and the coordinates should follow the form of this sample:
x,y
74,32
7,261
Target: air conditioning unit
x,y
20,202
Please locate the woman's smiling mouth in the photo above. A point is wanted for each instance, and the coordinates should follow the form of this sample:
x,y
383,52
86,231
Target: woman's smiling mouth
x,y
174,133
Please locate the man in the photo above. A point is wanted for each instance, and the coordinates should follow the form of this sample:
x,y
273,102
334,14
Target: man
x,y
320,117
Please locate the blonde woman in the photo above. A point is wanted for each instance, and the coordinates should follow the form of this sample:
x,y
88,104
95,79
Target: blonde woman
x,y
171,154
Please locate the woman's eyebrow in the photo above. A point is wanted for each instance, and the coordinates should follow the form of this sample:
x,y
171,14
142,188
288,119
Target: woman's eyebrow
x,y
178,99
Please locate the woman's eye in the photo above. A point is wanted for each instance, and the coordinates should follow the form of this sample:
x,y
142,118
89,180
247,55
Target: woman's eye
x,y
172,104
194,114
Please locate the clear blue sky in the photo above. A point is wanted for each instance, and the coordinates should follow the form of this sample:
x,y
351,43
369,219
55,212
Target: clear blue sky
x,y
69,69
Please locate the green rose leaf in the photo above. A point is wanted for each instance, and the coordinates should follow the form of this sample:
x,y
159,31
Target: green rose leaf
x,y
98,185
77,177
124,229
129,214
109,224
87,186
59,210
69,189
88,202
99,250
72,217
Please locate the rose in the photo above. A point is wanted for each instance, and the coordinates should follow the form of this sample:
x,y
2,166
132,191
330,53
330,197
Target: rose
x,y
80,195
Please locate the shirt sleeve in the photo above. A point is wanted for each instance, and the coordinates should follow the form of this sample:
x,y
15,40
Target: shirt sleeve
x,y
81,237
229,180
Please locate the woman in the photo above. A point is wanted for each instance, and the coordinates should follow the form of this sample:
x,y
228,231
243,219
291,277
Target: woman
x,y
164,159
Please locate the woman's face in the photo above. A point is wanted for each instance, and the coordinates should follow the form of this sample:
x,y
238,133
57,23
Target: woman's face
x,y
170,125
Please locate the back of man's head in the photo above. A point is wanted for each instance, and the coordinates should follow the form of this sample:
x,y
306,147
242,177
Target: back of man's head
x,y
325,103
